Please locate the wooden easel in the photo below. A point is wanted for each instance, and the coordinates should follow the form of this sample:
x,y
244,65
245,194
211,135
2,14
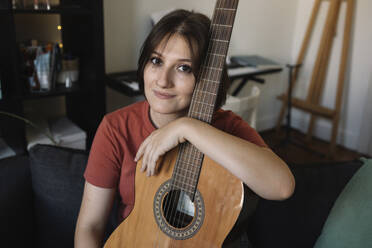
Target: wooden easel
x,y
311,103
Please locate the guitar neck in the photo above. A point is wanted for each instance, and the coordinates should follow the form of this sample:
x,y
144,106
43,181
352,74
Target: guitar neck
x,y
210,74
189,161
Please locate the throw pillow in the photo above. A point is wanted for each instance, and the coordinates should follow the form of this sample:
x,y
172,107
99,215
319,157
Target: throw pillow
x,y
57,182
349,223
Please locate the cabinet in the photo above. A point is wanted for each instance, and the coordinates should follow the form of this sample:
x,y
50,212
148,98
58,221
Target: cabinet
x,y
82,36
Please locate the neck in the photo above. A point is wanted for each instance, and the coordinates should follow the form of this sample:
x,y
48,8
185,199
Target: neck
x,y
160,120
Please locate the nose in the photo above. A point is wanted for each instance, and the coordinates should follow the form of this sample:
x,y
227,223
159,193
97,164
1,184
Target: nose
x,y
164,79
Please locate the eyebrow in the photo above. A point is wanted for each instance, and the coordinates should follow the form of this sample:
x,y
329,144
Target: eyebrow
x,y
182,59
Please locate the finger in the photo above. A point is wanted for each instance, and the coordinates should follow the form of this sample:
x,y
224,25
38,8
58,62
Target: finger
x,y
142,148
143,166
152,165
154,161
146,159
139,152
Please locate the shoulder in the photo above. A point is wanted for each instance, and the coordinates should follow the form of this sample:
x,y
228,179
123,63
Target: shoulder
x,y
232,123
122,116
226,120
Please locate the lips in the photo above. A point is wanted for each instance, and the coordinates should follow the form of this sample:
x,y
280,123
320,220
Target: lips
x,y
163,95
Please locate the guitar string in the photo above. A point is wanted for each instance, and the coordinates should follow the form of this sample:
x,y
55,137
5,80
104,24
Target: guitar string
x,y
172,188
200,112
192,153
173,211
170,195
211,63
193,150
225,34
185,151
196,155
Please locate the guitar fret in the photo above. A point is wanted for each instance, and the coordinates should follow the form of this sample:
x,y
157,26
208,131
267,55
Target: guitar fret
x,y
200,113
204,110
193,179
207,92
216,61
211,87
222,25
216,54
189,164
219,48
228,4
226,9
194,153
212,75
180,169
219,40
204,107
201,97
195,164
221,32
213,68
210,81
184,184
203,103
181,187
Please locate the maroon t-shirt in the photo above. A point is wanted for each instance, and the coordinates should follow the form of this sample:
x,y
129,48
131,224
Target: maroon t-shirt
x,y
111,159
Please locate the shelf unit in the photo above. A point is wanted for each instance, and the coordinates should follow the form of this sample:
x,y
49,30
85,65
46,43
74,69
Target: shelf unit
x,y
82,36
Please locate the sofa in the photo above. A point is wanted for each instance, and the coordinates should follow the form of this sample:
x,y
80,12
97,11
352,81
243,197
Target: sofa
x,y
323,211
40,196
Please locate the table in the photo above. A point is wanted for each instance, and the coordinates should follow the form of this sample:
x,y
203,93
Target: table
x,y
248,73
124,82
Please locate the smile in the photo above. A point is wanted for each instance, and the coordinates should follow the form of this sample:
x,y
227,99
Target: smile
x,y
162,95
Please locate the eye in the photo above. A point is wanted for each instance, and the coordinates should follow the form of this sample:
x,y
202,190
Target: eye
x,y
155,61
185,68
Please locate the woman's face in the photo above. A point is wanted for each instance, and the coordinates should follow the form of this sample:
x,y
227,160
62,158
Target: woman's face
x,y
168,78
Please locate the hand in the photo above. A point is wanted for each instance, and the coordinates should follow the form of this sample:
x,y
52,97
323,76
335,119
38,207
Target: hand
x,y
158,143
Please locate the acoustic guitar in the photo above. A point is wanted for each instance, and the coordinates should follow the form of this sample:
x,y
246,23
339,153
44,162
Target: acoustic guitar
x,y
191,201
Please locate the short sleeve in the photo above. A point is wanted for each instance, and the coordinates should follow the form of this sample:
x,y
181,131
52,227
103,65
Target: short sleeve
x,y
104,163
242,129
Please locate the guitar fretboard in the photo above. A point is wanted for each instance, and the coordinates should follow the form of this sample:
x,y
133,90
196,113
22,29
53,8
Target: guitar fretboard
x,y
187,169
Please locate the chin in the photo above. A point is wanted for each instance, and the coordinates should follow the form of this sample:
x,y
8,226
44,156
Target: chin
x,y
166,109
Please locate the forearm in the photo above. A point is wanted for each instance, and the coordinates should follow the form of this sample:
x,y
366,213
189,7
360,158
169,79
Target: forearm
x,y
259,168
86,237
93,216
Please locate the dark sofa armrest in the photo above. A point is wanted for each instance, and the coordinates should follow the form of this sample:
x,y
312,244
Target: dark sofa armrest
x,y
16,208
298,221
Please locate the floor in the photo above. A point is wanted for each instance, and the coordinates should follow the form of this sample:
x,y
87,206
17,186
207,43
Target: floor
x,y
297,152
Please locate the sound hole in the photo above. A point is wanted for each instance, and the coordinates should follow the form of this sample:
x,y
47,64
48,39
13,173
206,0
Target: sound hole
x,y
178,209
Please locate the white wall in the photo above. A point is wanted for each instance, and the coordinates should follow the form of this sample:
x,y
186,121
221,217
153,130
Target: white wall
x,y
358,75
261,27
365,135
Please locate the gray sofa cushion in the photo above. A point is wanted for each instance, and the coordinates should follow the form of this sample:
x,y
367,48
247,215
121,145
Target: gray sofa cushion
x,y
57,182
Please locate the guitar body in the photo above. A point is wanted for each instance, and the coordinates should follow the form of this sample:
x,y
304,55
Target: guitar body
x,y
220,196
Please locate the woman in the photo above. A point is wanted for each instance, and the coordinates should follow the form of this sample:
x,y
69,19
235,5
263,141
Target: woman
x,y
167,69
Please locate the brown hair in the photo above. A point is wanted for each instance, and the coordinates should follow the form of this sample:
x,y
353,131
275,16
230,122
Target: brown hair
x,y
194,27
